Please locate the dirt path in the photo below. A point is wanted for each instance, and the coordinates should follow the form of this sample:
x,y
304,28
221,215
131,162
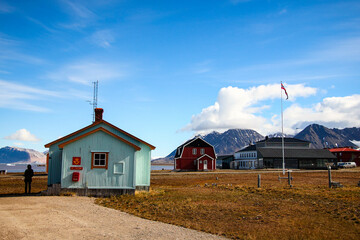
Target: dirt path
x,y
79,218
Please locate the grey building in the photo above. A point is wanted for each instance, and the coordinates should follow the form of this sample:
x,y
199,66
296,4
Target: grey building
x,y
267,153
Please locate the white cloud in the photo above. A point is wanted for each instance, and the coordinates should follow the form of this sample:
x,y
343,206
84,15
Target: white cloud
x,y
22,135
88,72
80,14
202,67
79,10
39,23
339,112
103,38
241,108
21,97
340,50
18,144
17,96
9,50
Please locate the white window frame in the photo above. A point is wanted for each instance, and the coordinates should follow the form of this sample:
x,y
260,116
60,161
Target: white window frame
x,y
194,151
123,168
202,151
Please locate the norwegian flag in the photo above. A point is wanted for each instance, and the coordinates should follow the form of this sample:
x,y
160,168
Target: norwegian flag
x,y
282,87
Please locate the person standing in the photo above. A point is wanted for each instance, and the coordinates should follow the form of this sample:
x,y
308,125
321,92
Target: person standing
x,y
29,173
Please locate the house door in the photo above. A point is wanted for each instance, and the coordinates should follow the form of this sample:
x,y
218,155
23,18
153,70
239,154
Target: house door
x,y
205,164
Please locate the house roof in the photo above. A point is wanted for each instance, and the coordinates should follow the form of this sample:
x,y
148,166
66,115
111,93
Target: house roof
x,y
344,149
97,130
95,124
279,140
248,148
195,142
295,153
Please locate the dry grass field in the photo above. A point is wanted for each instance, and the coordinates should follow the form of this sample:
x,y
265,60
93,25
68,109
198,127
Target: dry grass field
x,y
231,205
13,184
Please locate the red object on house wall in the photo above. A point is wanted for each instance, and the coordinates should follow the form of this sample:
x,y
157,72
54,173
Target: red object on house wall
x,y
195,154
76,161
347,155
76,168
75,176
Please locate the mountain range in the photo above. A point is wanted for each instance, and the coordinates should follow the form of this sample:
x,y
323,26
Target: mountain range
x,y
234,139
224,143
21,155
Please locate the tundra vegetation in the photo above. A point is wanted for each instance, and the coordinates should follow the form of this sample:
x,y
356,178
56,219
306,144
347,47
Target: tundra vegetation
x,y
231,205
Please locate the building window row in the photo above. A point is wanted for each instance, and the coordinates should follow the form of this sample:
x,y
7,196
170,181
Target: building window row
x,y
248,155
194,151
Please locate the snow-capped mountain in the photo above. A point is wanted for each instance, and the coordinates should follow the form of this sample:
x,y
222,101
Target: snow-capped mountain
x,y
224,143
234,139
323,137
21,155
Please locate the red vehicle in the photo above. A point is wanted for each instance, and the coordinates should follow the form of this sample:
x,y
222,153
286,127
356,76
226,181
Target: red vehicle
x,y
195,154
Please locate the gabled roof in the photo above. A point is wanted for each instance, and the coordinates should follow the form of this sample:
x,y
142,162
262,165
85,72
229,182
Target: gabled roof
x,y
295,153
95,124
195,142
97,130
205,155
248,148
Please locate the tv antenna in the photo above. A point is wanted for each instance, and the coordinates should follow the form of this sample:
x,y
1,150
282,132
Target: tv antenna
x,y
95,98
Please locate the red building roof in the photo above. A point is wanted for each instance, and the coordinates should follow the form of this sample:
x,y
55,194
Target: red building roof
x,y
344,149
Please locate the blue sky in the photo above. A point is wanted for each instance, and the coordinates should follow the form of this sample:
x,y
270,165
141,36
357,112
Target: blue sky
x,y
170,69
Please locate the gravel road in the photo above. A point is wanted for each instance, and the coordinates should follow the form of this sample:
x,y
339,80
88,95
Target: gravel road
x,y
79,218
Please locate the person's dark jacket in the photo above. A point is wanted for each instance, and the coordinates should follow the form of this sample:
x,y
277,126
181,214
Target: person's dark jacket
x,y
29,173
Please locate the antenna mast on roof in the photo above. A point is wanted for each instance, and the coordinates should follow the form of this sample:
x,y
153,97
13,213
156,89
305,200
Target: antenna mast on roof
x,y
95,98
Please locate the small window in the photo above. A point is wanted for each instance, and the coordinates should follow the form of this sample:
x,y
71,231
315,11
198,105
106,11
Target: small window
x,y
99,160
119,168
202,151
194,151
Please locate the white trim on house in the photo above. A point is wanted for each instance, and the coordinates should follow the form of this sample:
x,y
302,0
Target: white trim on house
x,y
123,168
204,156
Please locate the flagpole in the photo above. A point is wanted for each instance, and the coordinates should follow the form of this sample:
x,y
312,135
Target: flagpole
x,y
282,134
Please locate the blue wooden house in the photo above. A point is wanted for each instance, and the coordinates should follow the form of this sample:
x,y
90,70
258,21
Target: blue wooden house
x,y
99,160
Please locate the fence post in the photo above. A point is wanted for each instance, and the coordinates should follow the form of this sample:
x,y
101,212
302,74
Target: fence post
x,y
259,181
289,178
329,171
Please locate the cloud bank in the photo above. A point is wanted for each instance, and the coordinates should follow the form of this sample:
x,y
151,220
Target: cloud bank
x,y
87,72
22,135
244,108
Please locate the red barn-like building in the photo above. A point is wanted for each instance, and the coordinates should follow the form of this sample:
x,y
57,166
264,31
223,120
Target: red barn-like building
x,y
347,155
195,154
